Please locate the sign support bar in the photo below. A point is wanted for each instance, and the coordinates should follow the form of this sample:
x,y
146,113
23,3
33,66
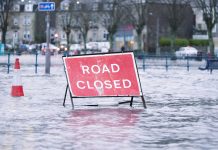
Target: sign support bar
x,y
71,98
65,96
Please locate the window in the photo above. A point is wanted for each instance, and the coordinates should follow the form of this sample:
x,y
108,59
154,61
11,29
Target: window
x,y
26,20
105,35
199,26
108,6
15,37
29,7
26,35
16,7
214,29
22,8
94,35
63,35
95,6
79,36
141,1
78,6
15,20
64,6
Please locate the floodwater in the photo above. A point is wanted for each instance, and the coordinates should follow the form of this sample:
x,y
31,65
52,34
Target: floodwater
x,y
182,113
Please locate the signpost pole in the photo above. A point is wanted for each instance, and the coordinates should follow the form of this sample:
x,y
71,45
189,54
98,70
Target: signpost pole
x,y
48,54
47,7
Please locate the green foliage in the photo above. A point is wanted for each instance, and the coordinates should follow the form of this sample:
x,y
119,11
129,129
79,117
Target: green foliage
x,y
184,42
195,42
164,42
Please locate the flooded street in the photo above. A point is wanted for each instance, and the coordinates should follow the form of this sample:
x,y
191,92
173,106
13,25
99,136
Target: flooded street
x,y
181,113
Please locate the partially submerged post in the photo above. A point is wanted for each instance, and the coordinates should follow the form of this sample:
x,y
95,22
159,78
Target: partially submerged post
x,y
47,7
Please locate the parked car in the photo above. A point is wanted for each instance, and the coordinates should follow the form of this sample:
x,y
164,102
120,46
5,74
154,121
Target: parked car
x,y
32,48
216,51
23,48
8,47
52,47
185,52
75,49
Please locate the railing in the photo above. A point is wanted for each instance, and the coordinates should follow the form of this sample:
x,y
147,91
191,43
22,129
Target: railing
x,y
5,60
143,61
168,61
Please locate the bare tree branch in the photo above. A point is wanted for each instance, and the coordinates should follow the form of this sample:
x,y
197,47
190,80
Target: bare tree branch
x,y
137,13
209,9
112,16
84,20
66,23
175,15
5,7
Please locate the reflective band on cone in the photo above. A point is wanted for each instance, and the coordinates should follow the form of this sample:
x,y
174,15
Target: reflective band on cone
x,y
17,91
17,88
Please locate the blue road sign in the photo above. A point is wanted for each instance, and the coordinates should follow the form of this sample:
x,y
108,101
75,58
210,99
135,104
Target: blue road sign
x,y
46,6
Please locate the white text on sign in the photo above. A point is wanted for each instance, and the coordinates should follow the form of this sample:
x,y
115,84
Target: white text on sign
x,y
95,69
106,84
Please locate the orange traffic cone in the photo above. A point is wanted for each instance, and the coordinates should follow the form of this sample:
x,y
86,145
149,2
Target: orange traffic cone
x,y
17,88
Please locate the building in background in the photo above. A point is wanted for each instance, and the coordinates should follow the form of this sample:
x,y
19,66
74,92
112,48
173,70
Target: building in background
x,y
27,25
22,23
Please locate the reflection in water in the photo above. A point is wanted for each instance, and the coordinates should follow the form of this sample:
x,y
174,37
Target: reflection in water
x,y
108,128
110,117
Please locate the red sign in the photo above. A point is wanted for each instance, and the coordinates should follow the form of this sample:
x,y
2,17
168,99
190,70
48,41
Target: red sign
x,y
102,75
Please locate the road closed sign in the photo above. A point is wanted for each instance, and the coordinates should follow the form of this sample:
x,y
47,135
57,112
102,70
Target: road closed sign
x,y
102,75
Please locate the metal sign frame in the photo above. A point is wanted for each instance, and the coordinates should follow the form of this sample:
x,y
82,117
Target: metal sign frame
x,y
132,96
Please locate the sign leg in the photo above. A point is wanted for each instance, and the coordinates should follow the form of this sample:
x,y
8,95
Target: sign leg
x,y
65,95
143,101
71,98
131,101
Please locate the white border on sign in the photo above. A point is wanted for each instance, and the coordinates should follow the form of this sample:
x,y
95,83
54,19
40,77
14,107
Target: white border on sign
x,y
134,63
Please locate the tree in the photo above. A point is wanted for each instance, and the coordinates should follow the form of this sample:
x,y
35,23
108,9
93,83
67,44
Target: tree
x,y
66,26
175,17
137,13
67,22
210,10
84,20
112,16
5,6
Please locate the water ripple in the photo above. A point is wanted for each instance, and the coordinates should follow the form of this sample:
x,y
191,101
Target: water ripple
x,y
181,114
